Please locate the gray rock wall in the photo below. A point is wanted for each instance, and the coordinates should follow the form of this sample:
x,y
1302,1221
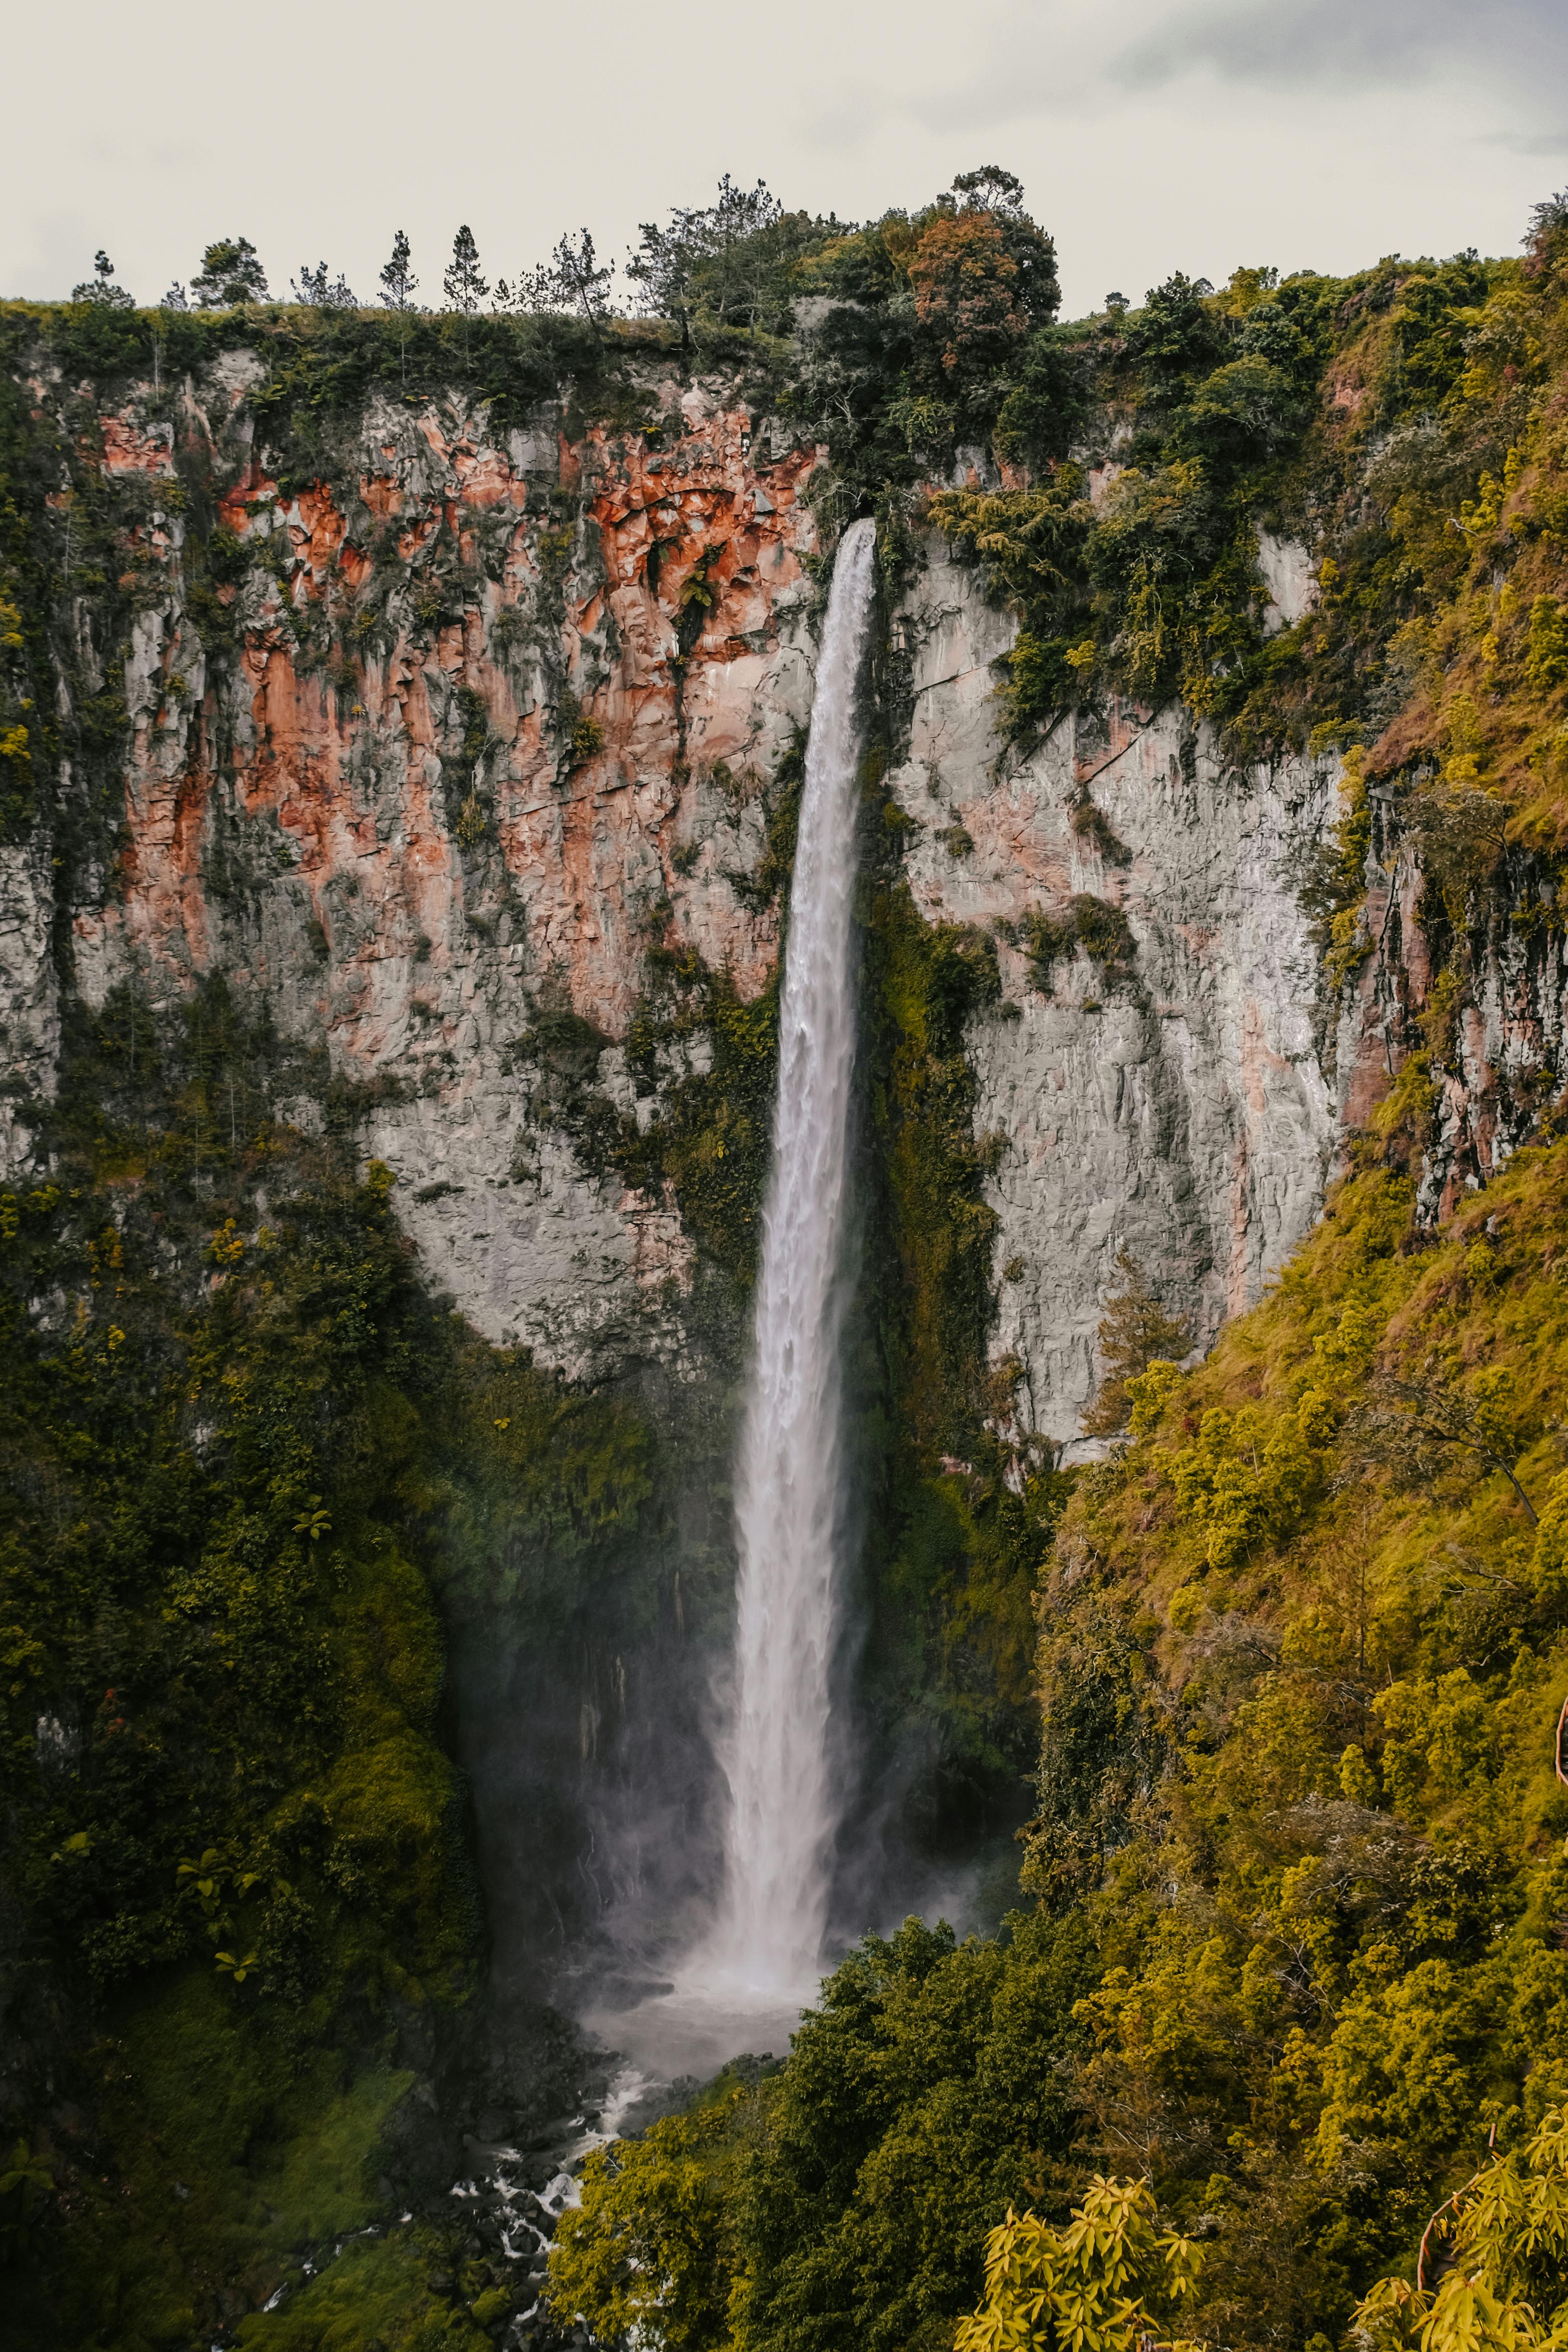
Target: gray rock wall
x,y
1184,1113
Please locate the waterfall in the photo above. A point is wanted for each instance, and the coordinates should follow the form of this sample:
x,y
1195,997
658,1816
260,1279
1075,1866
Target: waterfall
x,y
778,1753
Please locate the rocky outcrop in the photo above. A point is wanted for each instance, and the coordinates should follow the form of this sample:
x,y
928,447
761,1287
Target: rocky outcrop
x,y
29,993
1492,1054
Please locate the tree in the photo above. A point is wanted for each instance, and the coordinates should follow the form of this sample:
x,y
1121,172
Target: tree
x,y
1502,2243
1173,334
584,285
319,292
1109,2281
462,282
999,194
716,260
1410,1422
990,189
1134,1332
983,275
231,272
649,2255
101,286
967,291
397,278
570,279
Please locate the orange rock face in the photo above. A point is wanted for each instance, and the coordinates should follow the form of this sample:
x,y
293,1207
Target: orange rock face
x,y
575,818
499,711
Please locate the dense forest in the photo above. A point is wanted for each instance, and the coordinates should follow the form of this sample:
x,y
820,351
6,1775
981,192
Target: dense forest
x,y
1288,1956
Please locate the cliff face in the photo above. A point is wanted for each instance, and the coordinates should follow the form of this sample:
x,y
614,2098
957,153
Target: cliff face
x,y
511,707
505,712
1181,1107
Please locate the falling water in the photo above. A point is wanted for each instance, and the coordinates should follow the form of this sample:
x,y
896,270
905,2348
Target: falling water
x,y
778,1755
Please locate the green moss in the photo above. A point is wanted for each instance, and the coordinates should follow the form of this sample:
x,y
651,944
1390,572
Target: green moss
x,y
924,983
950,1555
373,2299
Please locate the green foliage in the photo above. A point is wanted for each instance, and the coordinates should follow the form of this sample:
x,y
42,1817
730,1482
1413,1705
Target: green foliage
x,y
649,2251
845,2198
231,272
1259,403
1546,661
230,1497
1246,1480
1106,2283
101,286
729,266
927,981
374,2294
1135,1332
1093,924
1499,2252
1302,1655
463,282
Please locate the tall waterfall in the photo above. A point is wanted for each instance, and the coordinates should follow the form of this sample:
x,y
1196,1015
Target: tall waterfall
x,y
790,1474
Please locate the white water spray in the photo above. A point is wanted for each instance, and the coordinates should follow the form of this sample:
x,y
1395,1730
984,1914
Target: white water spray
x,y
778,1753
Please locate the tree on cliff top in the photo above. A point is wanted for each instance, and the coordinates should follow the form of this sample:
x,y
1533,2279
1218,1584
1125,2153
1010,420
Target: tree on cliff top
x,y
397,276
231,272
583,285
983,275
462,282
315,289
573,280
101,286
726,262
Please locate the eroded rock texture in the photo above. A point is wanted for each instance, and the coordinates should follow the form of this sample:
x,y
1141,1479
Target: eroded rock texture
x,y
1176,1104
575,665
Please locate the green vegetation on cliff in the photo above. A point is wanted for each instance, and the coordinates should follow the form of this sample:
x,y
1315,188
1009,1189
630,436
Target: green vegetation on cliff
x,y
1297,1947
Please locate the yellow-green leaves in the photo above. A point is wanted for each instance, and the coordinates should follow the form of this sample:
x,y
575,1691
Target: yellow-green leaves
x,y
1106,2282
1150,1393
1549,1562
647,2253
1248,1477
314,1522
1441,1740
1501,2243
1546,661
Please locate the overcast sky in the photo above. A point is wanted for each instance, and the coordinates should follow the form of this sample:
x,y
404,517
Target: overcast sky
x,y
1151,134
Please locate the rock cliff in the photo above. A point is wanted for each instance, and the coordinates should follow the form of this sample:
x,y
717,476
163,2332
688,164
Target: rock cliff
x,y
509,708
